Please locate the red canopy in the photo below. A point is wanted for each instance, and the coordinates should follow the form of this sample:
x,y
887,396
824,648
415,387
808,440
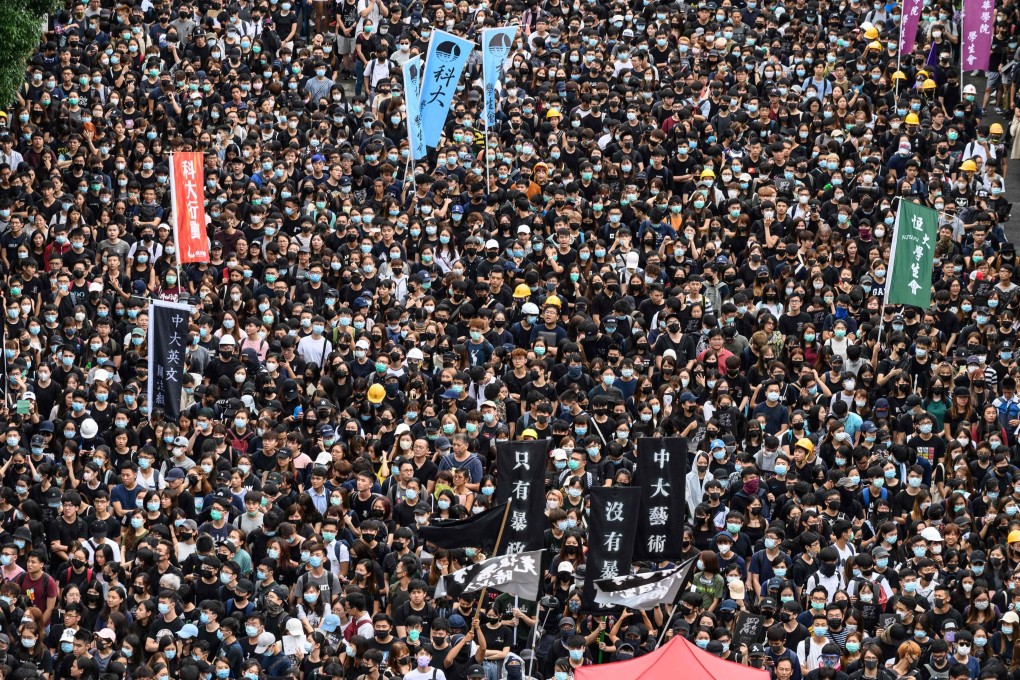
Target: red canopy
x,y
678,656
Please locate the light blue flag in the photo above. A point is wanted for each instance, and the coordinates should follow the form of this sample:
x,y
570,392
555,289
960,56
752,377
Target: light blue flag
x,y
445,61
412,90
496,44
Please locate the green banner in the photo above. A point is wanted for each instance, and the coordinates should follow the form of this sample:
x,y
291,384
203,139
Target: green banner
x,y
910,260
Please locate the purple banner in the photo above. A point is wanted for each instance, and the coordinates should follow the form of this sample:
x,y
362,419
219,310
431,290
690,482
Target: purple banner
x,y
908,25
978,17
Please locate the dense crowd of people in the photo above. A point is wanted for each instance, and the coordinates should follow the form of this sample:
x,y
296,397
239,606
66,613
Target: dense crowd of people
x,y
679,225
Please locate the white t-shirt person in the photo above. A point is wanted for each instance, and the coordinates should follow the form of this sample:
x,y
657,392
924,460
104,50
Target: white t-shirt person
x,y
423,671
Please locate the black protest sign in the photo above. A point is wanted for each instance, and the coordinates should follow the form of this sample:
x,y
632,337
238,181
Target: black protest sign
x,y
612,527
168,343
749,627
661,475
521,467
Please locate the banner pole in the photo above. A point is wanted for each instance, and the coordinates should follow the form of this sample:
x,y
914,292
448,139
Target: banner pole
x,y
665,627
495,550
899,51
881,318
891,273
408,165
534,638
534,632
7,392
888,277
963,23
486,153
502,527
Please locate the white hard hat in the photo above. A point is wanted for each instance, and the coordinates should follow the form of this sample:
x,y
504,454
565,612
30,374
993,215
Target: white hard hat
x,y
89,428
530,308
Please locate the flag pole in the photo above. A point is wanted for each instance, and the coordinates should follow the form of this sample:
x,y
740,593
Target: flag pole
x,y
486,149
496,548
502,527
963,11
173,220
899,52
890,273
665,627
408,173
7,392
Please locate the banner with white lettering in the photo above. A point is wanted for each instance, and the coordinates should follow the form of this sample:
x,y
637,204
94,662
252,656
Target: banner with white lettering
x,y
521,467
519,575
187,187
168,342
661,475
612,527
976,39
645,590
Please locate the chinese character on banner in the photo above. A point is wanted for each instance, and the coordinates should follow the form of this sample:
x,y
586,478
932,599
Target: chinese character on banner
x,y
445,59
612,530
168,327
522,465
187,181
661,474
978,18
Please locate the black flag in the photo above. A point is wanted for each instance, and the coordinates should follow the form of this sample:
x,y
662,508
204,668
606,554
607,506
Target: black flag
x,y
477,531
519,575
644,590
521,467
611,531
168,342
662,477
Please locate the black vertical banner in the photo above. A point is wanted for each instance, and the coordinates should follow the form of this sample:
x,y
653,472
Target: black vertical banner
x,y
168,342
662,478
612,526
521,467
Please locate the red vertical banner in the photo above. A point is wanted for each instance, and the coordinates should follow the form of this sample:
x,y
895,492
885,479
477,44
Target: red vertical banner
x,y
187,185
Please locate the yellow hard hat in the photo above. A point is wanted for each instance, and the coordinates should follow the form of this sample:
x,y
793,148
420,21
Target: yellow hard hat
x,y
968,166
553,113
707,172
899,75
871,33
875,45
929,84
1014,536
534,435
995,129
553,300
806,444
911,119
376,393
522,291
923,74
